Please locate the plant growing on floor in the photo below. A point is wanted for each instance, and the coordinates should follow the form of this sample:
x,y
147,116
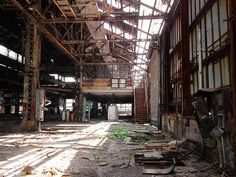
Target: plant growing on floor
x,y
118,133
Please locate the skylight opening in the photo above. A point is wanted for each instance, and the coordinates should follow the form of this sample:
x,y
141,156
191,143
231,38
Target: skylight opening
x,y
128,36
129,23
144,10
142,35
149,2
114,3
145,25
69,79
107,26
142,44
162,7
129,9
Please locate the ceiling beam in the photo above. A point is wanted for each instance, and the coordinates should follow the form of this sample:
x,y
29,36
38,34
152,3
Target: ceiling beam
x,y
148,6
103,18
104,54
45,31
104,41
111,63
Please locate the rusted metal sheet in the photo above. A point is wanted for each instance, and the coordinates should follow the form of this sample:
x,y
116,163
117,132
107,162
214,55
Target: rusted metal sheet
x,y
154,170
88,83
102,83
140,107
96,83
129,82
155,82
105,83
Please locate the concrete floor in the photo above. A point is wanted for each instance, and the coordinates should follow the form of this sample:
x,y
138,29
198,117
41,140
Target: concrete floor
x,y
79,150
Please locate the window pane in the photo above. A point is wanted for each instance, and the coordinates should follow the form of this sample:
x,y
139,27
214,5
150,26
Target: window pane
x,y
12,55
3,50
19,58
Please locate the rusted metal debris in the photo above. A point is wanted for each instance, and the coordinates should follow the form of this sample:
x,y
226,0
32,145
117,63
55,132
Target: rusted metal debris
x,y
153,170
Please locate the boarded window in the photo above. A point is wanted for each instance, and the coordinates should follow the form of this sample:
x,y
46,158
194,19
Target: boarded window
x,y
215,20
223,17
203,40
217,75
210,76
209,30
225,71
195,87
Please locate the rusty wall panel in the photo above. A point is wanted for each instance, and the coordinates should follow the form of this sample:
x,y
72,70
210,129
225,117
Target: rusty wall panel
x,y
129,82
225,71
104,83
140,105
96,83
192,132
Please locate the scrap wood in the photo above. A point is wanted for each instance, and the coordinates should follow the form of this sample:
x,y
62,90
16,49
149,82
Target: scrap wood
x,y
191,151
151,146
53,172
141,158
153,153
27,170
209,166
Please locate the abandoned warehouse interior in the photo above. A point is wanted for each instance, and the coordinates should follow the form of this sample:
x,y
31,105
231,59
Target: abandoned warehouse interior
x,y
117,88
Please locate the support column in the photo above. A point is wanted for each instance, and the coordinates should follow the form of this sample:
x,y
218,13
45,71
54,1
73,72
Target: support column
x,y
185,57
84,109
232,31
185,80
81,101
31,77
166,71
77,100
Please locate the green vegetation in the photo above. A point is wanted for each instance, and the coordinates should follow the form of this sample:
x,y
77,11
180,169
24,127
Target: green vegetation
x,y
118,133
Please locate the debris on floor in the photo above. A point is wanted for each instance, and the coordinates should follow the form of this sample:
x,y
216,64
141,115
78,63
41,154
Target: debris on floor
x,y
27,170
53,172
99,149
155,170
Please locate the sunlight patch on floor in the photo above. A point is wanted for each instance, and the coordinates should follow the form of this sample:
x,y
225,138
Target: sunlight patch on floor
x,y
51,150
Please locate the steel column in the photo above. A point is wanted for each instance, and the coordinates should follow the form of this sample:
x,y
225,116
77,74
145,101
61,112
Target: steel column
x,y
77,100
232,31
31,77
185,57
167,67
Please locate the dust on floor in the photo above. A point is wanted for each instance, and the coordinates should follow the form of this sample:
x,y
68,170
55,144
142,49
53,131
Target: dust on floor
x,y
96,149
